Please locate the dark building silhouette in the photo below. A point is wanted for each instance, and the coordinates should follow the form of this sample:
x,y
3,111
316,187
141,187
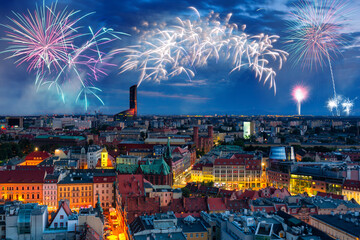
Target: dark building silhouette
x,y
132,111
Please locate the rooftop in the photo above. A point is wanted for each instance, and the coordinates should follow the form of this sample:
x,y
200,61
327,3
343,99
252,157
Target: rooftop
x,y
347,223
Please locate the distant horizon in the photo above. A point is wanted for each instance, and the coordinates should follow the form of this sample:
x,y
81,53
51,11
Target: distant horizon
x,y
189,115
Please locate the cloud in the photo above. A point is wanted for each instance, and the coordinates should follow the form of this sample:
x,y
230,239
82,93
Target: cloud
x,y
177,96
192,83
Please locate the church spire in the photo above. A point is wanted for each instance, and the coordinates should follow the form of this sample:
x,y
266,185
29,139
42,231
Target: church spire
x,y
98,204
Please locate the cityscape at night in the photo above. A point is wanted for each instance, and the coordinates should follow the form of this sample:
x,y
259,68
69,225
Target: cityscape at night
x,y
189,119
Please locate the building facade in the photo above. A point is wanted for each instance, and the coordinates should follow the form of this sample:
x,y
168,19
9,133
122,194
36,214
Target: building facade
x,y
242,171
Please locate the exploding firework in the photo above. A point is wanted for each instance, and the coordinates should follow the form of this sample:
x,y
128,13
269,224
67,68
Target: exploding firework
x,y
315,33
180,49
333,103
299,94
45,40
347,105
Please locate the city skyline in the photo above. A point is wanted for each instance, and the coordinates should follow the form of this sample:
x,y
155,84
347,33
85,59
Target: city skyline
x,y
212,91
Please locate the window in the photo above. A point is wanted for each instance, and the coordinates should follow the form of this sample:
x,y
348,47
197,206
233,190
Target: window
x,y
191,235
202,234
61,224
55,225
197,235
61,216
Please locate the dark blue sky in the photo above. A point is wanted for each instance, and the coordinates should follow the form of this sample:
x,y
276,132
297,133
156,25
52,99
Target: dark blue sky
x,y
213,90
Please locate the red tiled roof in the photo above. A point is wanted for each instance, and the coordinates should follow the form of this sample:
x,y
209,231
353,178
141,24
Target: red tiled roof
x,y
37,155
352,185
195,204
242,156
330,195
237,161
20,176
199,166
248,194
47,169
130,185
104,179
137,206
180,150
216,204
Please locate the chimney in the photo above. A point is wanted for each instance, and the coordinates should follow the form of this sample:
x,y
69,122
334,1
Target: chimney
x,y
210,131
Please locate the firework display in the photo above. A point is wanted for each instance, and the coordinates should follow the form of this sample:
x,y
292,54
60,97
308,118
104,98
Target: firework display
x,y
53,44
315,34
166,52
336,103
300,94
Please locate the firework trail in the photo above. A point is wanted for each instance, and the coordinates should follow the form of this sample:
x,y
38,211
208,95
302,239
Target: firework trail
x,y
179,49
315,33
49,41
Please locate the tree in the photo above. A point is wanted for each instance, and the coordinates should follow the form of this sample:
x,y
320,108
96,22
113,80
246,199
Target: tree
x,y
239,142
185,192
307,159
26,146
208,184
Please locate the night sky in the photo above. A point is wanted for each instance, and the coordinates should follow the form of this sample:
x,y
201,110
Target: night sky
x,y
213,90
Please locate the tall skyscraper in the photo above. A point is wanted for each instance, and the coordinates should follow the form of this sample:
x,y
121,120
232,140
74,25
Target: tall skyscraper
x,y
132,111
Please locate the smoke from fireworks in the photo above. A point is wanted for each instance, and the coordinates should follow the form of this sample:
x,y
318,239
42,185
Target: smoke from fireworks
x,y
170,51
315,33
45,40
299,93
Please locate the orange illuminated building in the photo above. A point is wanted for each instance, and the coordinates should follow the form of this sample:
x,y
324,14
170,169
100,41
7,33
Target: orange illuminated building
x,y
78,189
34,158
25,186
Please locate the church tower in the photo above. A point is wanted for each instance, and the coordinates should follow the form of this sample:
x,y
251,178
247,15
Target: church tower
x,y
104,158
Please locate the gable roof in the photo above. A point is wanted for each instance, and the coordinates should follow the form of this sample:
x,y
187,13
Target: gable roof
x,y
20,176
216,204
67,210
